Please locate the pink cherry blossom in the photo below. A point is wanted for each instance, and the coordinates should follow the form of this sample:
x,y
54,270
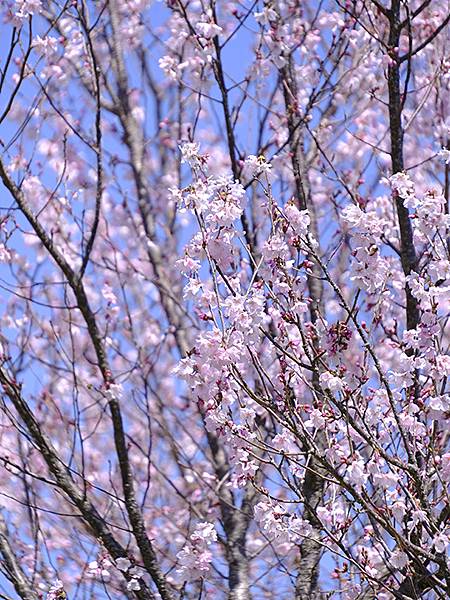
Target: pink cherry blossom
x,y
225,284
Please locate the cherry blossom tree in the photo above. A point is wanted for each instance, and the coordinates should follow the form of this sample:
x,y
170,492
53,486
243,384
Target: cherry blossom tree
x,y
225,274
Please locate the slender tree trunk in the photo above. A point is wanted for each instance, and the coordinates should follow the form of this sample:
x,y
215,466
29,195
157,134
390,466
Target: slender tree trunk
x,y
307,580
